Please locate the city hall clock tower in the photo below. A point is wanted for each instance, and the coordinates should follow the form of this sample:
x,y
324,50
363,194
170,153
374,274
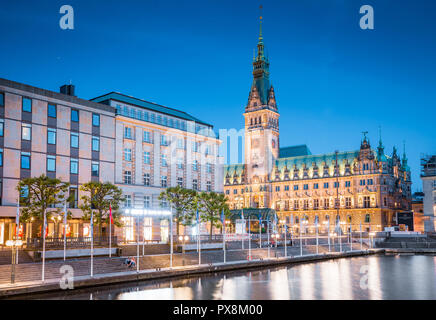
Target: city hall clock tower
x,y
261,121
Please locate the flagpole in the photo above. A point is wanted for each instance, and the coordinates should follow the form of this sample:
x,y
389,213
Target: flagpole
x,y
198,239
260,231
171,240
223,218
137,244
267,232
92,243
243,232
286,245
17,232
65,230
43,247
301,240
110,231
249,239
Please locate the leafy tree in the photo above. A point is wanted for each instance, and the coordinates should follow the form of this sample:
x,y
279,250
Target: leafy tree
x,y
42,194
211,205
181,200
98,198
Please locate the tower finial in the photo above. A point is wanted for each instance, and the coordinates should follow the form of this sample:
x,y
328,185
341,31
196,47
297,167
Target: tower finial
x,y
260,28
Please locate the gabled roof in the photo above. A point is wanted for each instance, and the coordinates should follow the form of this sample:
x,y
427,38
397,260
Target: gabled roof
x,y
294,151
147,105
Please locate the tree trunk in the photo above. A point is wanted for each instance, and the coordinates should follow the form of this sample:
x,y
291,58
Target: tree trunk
x,y
211,229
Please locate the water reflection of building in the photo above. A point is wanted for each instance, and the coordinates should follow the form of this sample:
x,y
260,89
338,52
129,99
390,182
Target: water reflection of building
x,y
359,186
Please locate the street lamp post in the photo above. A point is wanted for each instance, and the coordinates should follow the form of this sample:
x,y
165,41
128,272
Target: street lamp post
x,y
317,243
183,239
301,239
361,241
267,231
276,237
13,244
249,238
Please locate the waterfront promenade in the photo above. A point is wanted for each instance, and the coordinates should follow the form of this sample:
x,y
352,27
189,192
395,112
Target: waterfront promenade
x,y
112,270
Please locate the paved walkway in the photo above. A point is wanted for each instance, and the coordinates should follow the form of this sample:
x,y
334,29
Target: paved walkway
x,y
30,272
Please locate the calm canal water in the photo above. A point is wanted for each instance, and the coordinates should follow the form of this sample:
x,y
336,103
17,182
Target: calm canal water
x,y
374,277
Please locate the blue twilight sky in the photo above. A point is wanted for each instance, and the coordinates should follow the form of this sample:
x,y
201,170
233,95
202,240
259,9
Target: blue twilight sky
x,y
332,79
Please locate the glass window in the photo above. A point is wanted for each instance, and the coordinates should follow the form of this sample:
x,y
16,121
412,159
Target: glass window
x,y
208,186
128,154
164,140
26,131
315,185
146,179
195,165
128,201
195,184
164,160
74,115
127,177
180,182
2,99
179,163
74,166
147,202
326,185
336,184
127,133
51,163
27,105
51,110
95,144
147,157
25,160
1,157
74,140
209,167
94,169
147,136
73,197
51,136
2,127
163,181
180,144
95,120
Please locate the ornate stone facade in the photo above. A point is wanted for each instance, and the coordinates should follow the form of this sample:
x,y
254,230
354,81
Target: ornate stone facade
x,y
363,186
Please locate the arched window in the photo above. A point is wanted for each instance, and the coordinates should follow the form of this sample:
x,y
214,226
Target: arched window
x,y
367,218
260,120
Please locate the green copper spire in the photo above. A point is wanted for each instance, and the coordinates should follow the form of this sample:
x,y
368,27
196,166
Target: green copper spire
x,y
404,160
380,149
261,68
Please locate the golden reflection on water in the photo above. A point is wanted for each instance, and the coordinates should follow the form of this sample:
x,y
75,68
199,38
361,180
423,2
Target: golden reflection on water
x,y
377,277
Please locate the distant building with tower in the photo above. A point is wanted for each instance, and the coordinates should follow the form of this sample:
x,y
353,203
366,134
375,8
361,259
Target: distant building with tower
x,y
363,186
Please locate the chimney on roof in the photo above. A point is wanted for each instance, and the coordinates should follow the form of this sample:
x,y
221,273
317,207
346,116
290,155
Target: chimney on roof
x,y
68,89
